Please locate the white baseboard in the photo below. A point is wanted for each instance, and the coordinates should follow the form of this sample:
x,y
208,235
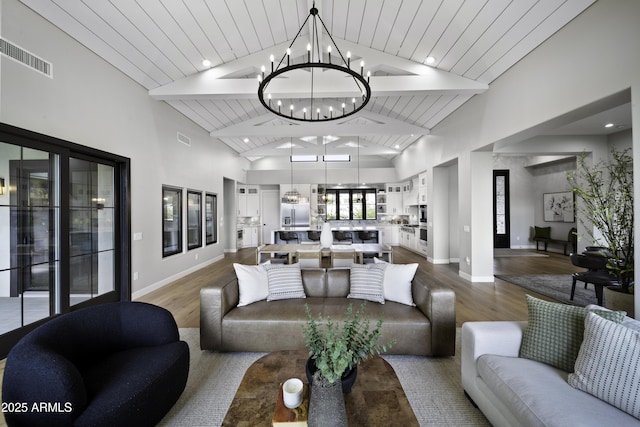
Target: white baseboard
x,y
466,276
155,286
439,260
230,251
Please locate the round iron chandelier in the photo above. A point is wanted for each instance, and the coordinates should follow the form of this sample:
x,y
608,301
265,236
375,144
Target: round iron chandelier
x,y
315,107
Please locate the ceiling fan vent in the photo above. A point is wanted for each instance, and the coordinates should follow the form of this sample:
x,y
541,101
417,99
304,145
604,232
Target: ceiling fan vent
x,y
24,57
184,139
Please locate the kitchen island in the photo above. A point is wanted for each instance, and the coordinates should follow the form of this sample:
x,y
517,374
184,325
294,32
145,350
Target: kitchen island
x,y
341,234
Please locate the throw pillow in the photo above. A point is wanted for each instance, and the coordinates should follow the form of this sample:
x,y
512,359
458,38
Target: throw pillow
x,y
542,232
252,283
285,281
397,281
555,331
607,364
366,282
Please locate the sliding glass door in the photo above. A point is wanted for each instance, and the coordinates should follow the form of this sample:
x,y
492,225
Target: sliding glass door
x,y
64,230
29,253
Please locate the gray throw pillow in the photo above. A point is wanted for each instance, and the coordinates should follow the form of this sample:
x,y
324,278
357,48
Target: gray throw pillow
x,y
555,331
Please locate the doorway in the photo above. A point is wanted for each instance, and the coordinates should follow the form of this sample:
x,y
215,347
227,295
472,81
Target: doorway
x,y
501,226
270,214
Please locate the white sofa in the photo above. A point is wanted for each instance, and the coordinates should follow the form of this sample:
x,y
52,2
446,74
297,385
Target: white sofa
x,y
512,391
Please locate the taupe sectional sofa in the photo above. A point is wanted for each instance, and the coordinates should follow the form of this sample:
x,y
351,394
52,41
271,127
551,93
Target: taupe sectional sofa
x,y
429,328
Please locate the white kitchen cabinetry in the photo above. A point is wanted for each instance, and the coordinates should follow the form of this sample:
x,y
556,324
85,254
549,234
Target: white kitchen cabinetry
x,y
394,199
422,188
389,235
248,200
250,236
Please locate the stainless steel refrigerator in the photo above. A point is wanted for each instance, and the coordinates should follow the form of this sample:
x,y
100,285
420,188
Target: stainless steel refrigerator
x,y
295,214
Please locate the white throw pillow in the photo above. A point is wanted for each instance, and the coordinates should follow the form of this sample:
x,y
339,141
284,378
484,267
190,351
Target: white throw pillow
x,y
607,364
365,282
252,283
285,281
397,282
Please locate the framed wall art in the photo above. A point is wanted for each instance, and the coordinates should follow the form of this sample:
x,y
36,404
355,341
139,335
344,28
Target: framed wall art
x,y
559,207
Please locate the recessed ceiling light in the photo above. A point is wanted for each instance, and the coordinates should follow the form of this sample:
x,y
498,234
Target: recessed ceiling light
x,y
246,140
430,60
609,125
206,63
397,146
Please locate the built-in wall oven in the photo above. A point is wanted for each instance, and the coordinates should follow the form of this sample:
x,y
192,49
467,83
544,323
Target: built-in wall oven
x,y
423,234
422,212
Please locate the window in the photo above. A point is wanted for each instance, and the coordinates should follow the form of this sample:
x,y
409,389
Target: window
x,y
350,204
210,218
171,221
194,219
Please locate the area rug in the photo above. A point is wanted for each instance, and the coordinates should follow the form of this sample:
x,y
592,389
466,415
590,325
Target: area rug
x,y
432,385
506,252
556,286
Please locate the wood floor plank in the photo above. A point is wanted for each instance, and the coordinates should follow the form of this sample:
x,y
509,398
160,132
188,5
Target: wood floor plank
x,y
474,301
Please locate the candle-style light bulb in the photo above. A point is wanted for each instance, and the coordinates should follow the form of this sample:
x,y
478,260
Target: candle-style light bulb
x,y
262,69
308,52
330,111
269,97
348,59
329,52
343,108
279,105
304,112
318,113
259,78
271,59
291,110
353,101
361,68
288,56
368,76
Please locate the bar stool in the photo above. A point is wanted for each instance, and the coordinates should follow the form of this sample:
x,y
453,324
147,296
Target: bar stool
x,y
287,236
343,236
313,235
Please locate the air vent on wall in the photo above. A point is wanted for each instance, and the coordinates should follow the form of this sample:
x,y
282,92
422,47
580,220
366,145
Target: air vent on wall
x,y
24,57
184,139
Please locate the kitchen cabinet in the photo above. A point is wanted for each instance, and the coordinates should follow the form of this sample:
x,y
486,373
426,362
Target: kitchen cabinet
x,y
248,200
422,188
394,199
250,236
389,235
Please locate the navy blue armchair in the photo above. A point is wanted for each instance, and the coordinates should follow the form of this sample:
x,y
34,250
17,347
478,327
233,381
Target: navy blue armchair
x,y
116,364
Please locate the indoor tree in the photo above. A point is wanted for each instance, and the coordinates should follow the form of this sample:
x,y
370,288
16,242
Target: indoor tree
x,y
605,198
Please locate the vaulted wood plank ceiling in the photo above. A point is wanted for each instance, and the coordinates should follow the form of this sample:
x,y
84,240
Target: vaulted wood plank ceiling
x,y
161,45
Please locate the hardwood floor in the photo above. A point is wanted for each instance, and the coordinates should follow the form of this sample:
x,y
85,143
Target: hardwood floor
x,y
474,301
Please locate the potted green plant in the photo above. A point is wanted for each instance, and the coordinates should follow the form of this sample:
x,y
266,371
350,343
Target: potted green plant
x,y
335,349
605,200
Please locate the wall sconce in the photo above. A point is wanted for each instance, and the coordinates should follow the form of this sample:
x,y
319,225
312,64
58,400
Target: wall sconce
x,y
1,186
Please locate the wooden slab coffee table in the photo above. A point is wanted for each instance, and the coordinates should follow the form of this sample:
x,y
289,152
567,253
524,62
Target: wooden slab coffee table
x,y
377,398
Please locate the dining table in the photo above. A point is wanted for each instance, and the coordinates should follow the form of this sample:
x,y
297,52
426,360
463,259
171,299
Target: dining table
x,y
267,252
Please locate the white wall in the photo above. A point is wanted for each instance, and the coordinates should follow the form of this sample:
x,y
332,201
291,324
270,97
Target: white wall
x,y
90,103
580,64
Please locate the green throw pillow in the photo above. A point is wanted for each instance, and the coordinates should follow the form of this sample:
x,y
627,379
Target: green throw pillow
x,y
555,331
542,232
